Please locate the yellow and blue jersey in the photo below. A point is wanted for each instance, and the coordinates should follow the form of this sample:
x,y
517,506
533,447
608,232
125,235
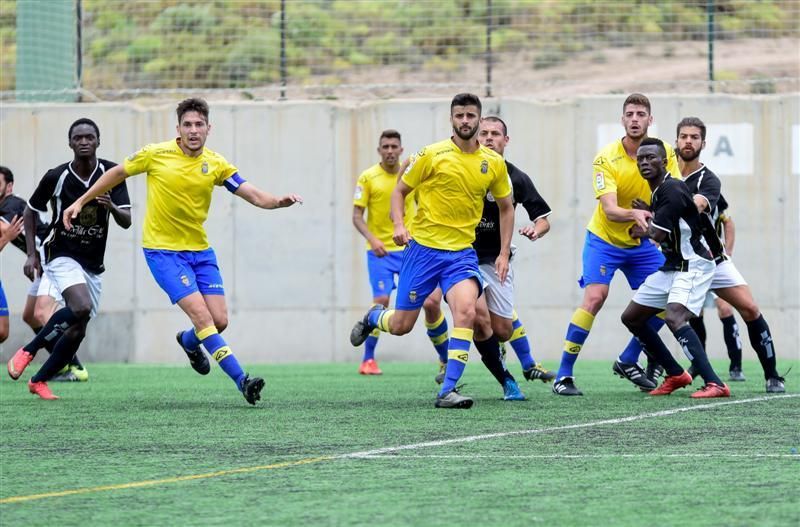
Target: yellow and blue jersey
x,y
616,172
179,191
450,186
373,193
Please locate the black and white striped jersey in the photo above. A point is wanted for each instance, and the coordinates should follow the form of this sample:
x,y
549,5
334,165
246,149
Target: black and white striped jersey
x,y
675,213
86,241
15,206
705,183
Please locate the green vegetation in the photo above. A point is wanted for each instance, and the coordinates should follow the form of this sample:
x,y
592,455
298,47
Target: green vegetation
x,y
236,43
283,462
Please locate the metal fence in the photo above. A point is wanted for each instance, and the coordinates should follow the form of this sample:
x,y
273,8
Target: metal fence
x,y
395,48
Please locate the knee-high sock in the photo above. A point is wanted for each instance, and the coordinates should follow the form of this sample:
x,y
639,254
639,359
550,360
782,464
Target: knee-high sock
x,y
699,327
48,344
692,348
761,340
520,343
655,347
457,357
216,347
50,333
437,332
189,340
730,332
64,349
490,356
370,343
577,332
630,355
380,319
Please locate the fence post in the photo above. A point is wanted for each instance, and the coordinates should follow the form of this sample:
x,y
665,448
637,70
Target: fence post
x,y
79,49
283,50
710,15
488,48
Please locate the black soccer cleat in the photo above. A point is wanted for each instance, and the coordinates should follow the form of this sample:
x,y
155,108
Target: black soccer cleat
x,y
634,373
566,386
653,371
197,358
251,388
363,328
537,371
453,399
776,385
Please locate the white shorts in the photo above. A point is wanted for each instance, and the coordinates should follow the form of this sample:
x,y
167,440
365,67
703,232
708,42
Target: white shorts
x,y
499,296
711,300
687,288
64,272
33,290
727,275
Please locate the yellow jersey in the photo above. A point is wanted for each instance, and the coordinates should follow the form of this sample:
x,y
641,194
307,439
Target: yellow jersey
x,y
450,186
179,191
616,172
373,193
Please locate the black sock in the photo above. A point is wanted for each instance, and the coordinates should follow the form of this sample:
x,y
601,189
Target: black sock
x,y
694,350
75,361
60,321
730,331
761,340
64,350
490,356
699,327
657,350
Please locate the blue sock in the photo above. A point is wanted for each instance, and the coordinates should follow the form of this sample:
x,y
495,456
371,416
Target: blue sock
x,y
216,347
630,355
457,357
189,340
578,330
522,347
369,345
437,332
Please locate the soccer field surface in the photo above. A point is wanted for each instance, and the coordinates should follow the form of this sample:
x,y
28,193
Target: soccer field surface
x,y
160,445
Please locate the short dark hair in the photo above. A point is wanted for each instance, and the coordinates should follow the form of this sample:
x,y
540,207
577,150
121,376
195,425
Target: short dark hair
x,y
692,121
390,134
83,120
495,119
7,174
654,141
466,99
193,104
637,99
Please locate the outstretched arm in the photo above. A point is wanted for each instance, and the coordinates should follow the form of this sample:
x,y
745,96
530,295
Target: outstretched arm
x,y
107,181
264,200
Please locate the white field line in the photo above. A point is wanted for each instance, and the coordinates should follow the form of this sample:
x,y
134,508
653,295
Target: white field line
x,y
649,455
590,424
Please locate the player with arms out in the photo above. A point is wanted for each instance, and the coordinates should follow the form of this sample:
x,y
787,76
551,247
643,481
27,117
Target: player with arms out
x,y
451,178
681,284
181,175
610,246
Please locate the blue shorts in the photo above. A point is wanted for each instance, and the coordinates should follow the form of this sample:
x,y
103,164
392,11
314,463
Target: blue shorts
x,y
382,271
181,273
601,260
425,268
3,302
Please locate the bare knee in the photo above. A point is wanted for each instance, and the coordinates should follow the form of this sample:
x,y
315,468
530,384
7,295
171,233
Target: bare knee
x,y
482,327
4,329
748,311
221,323
593,299
503,328
432,308
464,316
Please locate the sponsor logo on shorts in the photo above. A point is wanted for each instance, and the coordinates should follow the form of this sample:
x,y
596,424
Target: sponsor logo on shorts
x,y
484,167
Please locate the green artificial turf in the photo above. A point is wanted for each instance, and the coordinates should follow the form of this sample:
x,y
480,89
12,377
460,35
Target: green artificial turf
x,y
284,462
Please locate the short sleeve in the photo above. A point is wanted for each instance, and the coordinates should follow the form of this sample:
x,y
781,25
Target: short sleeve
x,y
224,171
525,194
418,169
501,184
44,192
605,181
667,209
710,188
672,162
361,194
120,197
139,161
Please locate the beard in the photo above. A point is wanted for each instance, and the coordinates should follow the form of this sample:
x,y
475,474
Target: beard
x,y
468,135
688,156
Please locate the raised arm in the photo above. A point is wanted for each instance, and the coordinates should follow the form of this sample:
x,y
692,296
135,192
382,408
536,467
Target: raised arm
x,y
264,200
107,181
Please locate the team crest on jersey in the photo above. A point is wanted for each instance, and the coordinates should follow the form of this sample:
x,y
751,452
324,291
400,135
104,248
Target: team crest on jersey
x,y
204,167
185,280
484,167
412,295
600,181
359,192
88,216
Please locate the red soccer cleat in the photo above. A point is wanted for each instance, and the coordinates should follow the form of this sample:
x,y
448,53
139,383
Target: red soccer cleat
x,y
672,383
369,367
18,363
710,390
42,390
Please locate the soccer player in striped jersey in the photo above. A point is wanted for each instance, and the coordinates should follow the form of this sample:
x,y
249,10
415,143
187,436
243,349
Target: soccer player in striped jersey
x,y
728,282
609,245
450,178
181,175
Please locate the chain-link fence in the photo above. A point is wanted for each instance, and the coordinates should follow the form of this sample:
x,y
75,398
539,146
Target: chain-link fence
x,y
110,49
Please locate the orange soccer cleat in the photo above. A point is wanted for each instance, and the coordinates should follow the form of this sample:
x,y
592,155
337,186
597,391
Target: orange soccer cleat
x,y
710,390
369,367
672,383
42,390
18,363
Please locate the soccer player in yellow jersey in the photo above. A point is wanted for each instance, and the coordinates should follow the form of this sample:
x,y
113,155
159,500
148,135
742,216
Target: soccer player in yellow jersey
x,y
384,257
611,244
181,175
450,178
